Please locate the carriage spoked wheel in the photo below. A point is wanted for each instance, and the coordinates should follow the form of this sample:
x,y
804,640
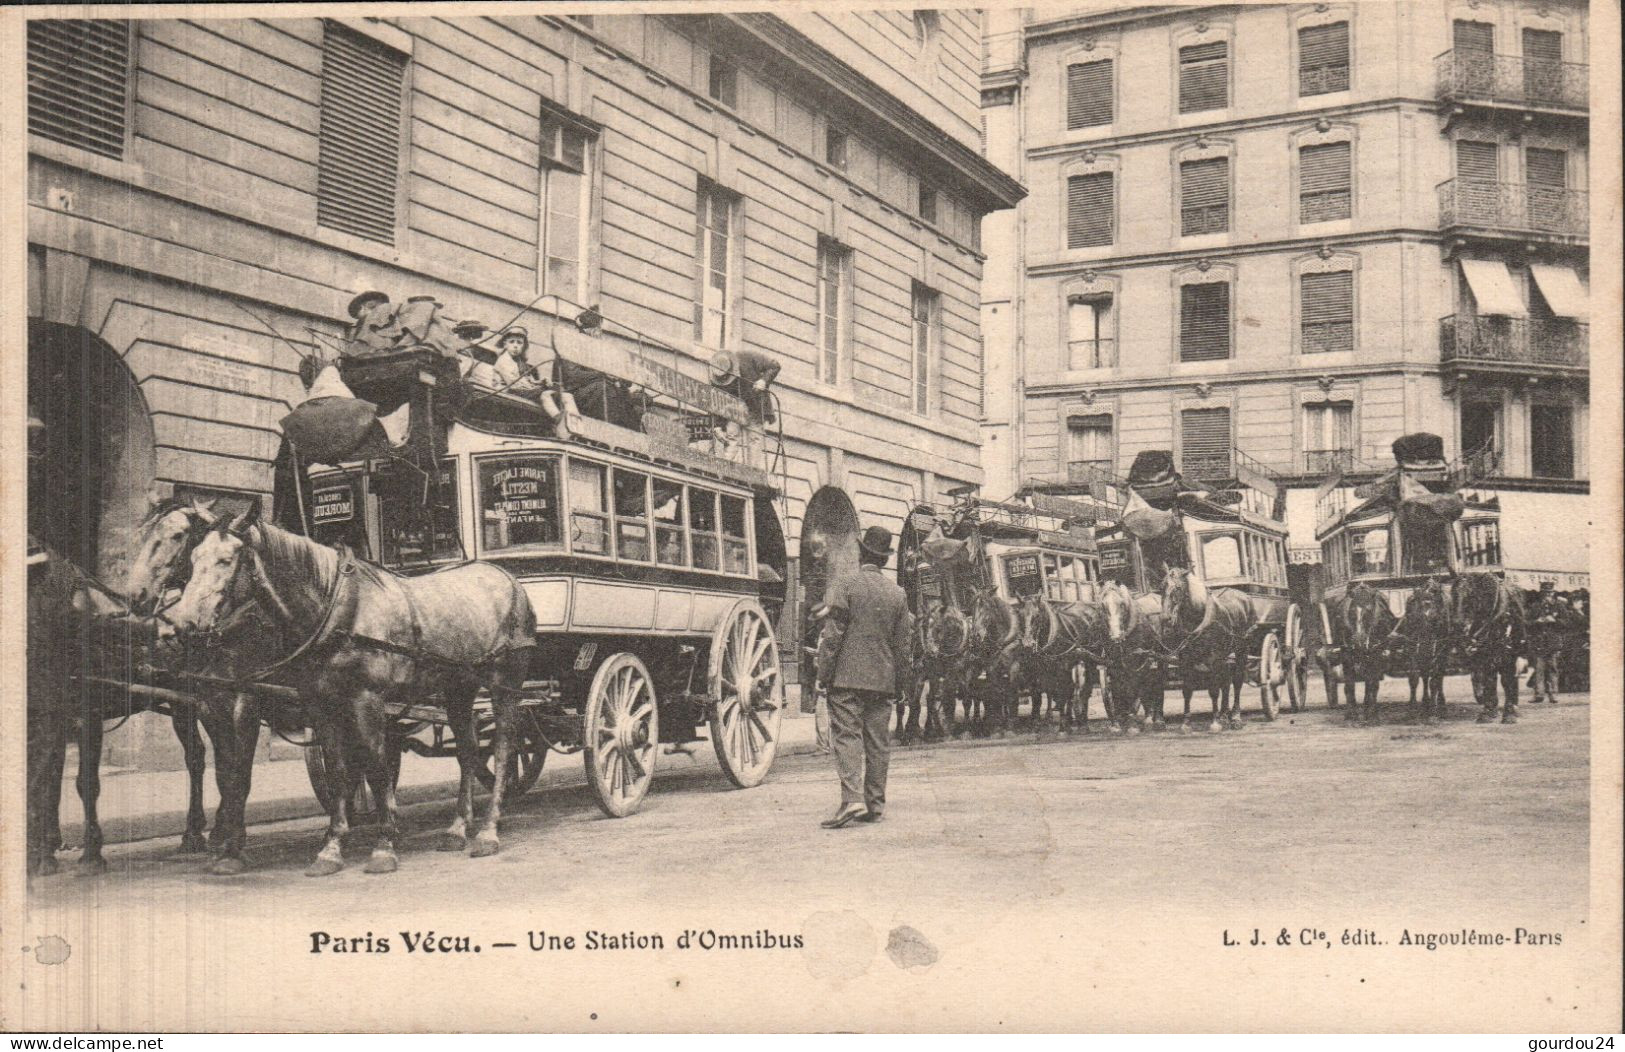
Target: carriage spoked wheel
x,y
1270,674
1297,669
620,734
362,806
747,693
529,753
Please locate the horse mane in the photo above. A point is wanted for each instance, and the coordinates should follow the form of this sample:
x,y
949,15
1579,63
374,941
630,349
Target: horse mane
x,y
297,557
164,507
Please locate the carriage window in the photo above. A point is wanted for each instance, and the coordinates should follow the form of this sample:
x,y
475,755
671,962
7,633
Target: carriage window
x,y
702,524
1427,549
519,504
589,509
1368,552
406,533
670,543
336,517
1221,556
1480,544
735,544
632,516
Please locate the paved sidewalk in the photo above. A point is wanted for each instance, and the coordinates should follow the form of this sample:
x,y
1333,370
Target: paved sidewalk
x,y
141,805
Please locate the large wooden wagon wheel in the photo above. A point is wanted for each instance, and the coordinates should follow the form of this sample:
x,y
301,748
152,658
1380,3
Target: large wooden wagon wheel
x,y
620,733
1270,674
529,752
1297,670
747,693
362,806
1328,655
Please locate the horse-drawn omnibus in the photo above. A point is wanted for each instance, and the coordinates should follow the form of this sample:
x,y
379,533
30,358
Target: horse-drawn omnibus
x,y
1227,539
1416,525
633,504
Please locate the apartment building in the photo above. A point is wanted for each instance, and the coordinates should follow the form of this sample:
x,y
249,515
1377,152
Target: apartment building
x,y
1280,236
206,196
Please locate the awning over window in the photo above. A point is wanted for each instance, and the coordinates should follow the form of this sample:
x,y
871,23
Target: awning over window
x,y
1493,288
1564,291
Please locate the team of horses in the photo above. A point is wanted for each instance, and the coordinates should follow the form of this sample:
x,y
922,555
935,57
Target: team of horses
x,y
268,626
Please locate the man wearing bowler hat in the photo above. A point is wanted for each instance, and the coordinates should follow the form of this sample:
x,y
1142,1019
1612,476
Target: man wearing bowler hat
x,y
865,658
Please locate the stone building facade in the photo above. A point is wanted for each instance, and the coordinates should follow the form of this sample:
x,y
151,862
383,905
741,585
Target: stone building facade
x,y
1284,235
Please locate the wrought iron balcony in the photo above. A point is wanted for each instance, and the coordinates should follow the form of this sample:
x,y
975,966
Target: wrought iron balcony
x,y
1326,461
1207,467
1467,75
1523,208
1482,463
1467,339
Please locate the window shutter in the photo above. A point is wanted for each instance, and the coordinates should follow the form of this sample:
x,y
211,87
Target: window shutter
x,y
1089,207
1476,161
1323,182
1204,322
358,164
1204,74
1547,168
1323,59
1204,189
1328,312
1542,45
1473,36
1089,94
78,82
1205,441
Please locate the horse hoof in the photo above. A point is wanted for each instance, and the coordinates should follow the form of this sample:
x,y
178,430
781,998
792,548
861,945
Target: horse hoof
x,y
382,862
1214,727
228,866
193,844
1486,717
451,842
484,847
1131,730
1509,719
324,867
90,867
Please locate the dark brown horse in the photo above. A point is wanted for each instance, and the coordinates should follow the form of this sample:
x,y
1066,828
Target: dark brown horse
x,y
1209,631
1489,617
369,639
1061,648
1424,637
1364,628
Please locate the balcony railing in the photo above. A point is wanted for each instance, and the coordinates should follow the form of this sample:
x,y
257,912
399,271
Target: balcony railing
x,y
1326,461
1523,207
1481,76
1513,341
1206,467
1482,463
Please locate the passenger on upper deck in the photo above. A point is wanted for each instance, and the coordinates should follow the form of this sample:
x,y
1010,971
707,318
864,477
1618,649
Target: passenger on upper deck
x,y
514,369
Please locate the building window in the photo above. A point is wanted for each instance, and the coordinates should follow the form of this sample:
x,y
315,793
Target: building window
x,y
1089,94
1474,44
1327,309
1546,177
1542,65
924,314
1472,36
78,83
834,309
1204,196
1204,322
1551,441
1328,437
1205,443
713,250
1089,208
1323,59
1324,182
1481,432
1204,77
359,157
835,148
927,203
1090,339
1089,449
723,82
927,36
565,188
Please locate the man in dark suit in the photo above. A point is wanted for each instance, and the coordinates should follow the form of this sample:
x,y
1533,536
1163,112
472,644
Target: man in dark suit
x,y
865,658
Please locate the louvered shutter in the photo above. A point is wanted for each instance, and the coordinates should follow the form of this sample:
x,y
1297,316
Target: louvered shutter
x,y
1542,45
1089,94
1323,59
1204,322
358,166
1546,198
1204,74
1547,168
78,82
1204,193
1205,443
1543,65
1476,161
1473,36
1328,312
1089,210
1323,182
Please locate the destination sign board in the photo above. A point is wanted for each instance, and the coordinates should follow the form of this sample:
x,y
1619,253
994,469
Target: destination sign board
x,y
1307,555
333,504
1022,574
